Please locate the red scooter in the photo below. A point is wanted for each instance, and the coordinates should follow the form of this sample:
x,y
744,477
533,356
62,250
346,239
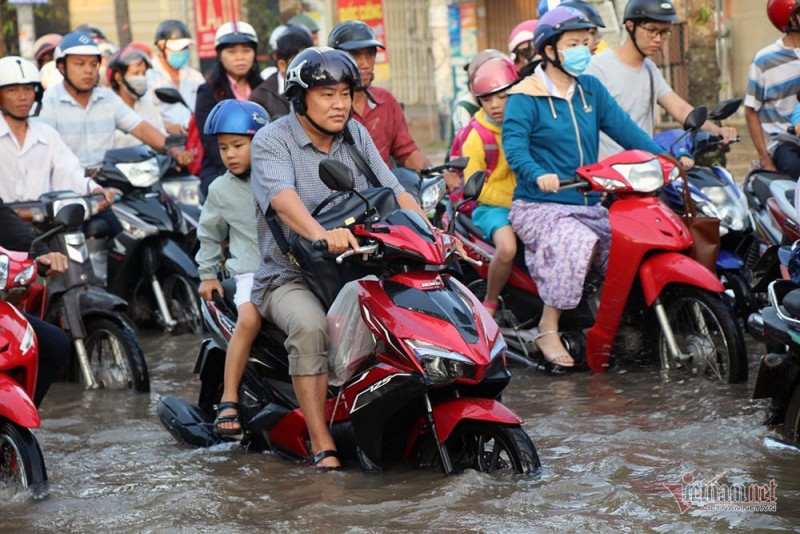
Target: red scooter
x,y
21,460
655,297
427,393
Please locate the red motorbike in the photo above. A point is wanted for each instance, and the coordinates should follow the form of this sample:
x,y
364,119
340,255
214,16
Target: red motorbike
x,y
21,460
655,297
427,393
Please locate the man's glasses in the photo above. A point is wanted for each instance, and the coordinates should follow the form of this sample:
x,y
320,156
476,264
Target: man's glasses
x,y
652,33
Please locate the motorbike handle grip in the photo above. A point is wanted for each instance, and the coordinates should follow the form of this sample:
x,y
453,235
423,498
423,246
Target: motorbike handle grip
x,y
320,244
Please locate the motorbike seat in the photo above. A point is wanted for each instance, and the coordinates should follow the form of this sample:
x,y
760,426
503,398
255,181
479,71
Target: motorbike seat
x,y
791,303
761,181
783,191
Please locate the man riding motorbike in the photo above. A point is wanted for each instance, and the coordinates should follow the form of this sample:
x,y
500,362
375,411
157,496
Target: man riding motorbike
x,y
320,83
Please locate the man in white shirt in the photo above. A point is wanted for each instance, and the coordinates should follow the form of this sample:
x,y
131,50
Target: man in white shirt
x,y
170,69
36,160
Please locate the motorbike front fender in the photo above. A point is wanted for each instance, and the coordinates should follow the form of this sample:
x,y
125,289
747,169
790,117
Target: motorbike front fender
x,y
673,268
16,405
447,415
174,258
729,261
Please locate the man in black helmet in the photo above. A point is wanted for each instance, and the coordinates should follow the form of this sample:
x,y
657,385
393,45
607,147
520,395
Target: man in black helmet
x,y
635,81
171,69
286,154
376,108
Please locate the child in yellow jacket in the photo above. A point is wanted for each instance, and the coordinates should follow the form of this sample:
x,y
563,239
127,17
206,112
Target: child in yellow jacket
x,y
492,79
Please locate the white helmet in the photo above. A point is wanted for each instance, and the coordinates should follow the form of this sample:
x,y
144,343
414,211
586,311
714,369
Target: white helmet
x,y
236,32
15,70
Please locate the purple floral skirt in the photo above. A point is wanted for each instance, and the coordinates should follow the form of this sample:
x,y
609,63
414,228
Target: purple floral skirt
x,y
561,242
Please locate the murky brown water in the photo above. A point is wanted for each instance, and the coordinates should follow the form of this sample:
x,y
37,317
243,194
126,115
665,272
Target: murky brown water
x,y
608,444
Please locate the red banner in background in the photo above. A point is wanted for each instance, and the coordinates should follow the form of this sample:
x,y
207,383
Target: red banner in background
x,y
210,15
370,12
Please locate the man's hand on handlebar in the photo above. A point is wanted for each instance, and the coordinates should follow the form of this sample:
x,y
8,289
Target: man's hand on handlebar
x,y
182,157
729,134
339,240
207,288
55,262
686,162
108,194
452,181
548,183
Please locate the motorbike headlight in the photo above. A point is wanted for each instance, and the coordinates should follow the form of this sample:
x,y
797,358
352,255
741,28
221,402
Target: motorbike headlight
x,y
609,183
24,278
184,192
674,174
133,224
141,173
731,214
431,194
3,271
644,177
706,208
27,340
61,202
441,364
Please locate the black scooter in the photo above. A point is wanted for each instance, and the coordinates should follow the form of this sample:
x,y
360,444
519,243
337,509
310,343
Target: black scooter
x,y
147,262
106,351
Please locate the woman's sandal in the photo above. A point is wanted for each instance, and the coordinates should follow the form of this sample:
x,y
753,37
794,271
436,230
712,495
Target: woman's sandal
x,y
233,433
554,358
317,458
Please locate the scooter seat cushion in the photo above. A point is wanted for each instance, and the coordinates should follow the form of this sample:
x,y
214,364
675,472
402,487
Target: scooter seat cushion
x,y
761,181
791,303
783,191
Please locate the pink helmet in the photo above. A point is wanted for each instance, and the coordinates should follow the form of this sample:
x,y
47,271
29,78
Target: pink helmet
x,y
494,75
522,33
480,58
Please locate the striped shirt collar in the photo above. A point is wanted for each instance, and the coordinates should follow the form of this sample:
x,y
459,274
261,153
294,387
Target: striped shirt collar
x,y
302,138
65,96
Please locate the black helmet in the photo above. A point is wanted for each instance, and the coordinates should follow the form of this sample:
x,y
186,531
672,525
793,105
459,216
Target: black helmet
x,y
172,29
92,30
352,35
318,66
294,39
587,9
657,10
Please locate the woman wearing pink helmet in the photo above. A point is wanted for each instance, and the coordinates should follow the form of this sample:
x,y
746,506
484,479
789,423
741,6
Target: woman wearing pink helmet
x,y
490,85
520,44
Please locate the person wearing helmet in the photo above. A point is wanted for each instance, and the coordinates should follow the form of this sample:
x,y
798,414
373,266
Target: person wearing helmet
x,y
491,83
43,162
774,82
87,116
595,43
377,109
92,30
234,77
270,92
44,48
308,23
286,154
520,44
551,127
635,81
107,49
127,71
170,69
229,214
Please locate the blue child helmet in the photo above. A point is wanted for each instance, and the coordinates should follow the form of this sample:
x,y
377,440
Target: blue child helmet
x,y
238,117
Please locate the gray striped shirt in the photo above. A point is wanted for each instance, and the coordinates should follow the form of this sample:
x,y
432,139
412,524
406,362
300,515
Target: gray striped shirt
x,y
283,157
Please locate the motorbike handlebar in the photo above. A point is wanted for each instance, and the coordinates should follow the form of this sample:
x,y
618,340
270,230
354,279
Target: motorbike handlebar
x,y
573,183
320,244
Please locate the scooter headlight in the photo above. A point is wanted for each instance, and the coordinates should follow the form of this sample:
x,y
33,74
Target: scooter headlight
x,y
3,271
133,224
731,214
24,278
432,193
644,177
184,192
141,173
27,340
439,363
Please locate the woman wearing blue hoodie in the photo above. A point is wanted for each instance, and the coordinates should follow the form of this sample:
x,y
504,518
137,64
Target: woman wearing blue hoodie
x,y
551,127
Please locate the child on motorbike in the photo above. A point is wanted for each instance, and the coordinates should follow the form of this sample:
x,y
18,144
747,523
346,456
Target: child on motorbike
x,y
229,213
551,127
491,83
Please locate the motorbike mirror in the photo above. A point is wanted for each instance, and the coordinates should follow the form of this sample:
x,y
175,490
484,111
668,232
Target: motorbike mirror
x,y
474,185
170,95
724,109
458,164
70,216
336,175
696,118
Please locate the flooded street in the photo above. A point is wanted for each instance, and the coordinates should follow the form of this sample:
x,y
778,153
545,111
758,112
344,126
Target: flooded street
x,y
608,444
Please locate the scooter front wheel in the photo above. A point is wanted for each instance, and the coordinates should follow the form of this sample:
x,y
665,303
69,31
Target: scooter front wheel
x,y
492,447
115,357
21,460
184,303
706,333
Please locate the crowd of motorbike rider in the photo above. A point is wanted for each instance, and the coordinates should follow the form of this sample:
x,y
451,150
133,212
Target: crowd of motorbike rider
x,y
262,141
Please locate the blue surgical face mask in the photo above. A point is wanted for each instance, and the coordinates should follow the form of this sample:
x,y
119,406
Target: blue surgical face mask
x,y
178,59
576,59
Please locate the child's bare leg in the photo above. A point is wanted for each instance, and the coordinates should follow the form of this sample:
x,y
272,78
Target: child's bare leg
x,y
505,242
247,326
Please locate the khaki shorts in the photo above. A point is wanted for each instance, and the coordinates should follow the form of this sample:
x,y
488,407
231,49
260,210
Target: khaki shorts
x,y
298,312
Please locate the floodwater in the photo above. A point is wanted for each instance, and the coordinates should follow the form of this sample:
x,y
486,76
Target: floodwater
x,y
608,444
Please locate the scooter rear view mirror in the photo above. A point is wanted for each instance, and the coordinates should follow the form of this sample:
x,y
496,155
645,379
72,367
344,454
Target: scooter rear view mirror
x,y
336,175
725,109
474,185
170,95
696,118
70,216
458,164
